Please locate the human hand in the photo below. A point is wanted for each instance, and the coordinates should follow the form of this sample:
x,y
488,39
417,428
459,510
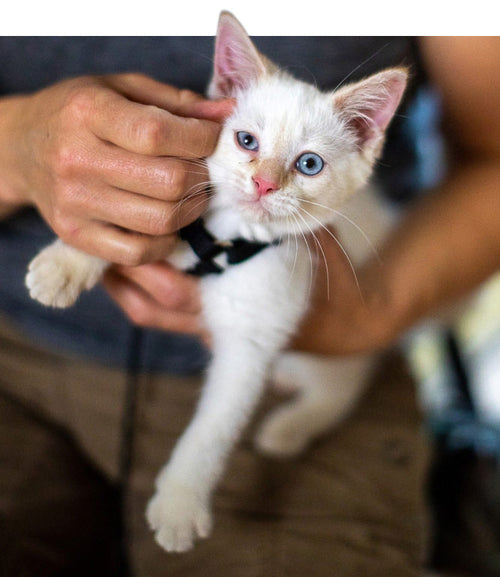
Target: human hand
x,y
158,296
112,163
351,310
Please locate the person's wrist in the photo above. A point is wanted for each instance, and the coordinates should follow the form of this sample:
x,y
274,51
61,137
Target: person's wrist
x,y
383,307
13,187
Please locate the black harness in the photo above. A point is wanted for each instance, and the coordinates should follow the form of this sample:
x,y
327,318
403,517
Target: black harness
x,y
207,248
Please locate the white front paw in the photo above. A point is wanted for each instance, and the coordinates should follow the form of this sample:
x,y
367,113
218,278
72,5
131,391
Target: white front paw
x,y
178,516
58,275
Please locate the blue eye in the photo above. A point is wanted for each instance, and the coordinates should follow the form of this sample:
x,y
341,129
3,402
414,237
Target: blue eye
x,y
309,163
247,141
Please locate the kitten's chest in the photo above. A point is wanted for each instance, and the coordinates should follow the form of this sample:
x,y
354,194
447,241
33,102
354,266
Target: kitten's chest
x,y
265,293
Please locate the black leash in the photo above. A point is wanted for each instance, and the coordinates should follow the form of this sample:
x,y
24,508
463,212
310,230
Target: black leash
x,y
133,370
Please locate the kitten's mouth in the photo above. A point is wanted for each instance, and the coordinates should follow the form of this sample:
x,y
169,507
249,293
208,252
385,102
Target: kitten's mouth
x,y
256,209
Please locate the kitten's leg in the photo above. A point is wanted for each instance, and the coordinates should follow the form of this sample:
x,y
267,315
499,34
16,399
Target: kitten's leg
x,y
179,512
59,273
327,391
250,322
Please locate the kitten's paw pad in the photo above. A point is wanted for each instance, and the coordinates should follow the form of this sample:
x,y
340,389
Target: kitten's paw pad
x,y
58,275
51,282
178,517
280,437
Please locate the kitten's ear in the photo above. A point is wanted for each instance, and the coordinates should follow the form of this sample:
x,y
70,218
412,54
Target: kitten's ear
x,y
237,62
368,106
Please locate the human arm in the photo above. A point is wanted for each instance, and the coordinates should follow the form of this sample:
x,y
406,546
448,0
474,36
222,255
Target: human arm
x,y
110,162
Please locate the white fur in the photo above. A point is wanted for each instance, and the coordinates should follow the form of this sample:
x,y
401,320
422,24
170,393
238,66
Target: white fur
x,y
252,309
59,273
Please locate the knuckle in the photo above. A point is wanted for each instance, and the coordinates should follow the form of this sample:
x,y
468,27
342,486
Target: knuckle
x,y
65,159
139,313
133,254
69,157
176,298
186,96
176,180
67,147
143,249
79,103
150,135
64,225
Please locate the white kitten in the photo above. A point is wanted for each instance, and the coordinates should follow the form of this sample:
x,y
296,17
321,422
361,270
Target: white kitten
x,y
287,159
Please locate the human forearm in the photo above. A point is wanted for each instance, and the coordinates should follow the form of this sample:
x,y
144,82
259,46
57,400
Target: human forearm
x,y
11,195
462,240
445,247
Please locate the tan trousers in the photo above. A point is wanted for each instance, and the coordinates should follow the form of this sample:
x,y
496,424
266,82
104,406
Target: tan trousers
x,y
353,506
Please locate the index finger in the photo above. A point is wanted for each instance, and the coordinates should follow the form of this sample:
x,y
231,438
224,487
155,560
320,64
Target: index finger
x,y
168,286
149,130
182,102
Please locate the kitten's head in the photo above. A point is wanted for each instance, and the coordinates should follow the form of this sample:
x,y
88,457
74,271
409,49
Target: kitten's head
x,y
289,153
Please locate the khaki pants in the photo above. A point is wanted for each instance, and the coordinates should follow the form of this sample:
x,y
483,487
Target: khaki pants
x,y
353,506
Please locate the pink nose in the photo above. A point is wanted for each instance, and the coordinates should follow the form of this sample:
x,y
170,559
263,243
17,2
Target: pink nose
x,y
264,185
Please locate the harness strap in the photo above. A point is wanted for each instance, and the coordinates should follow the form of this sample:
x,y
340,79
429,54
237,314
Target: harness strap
x,y
207,248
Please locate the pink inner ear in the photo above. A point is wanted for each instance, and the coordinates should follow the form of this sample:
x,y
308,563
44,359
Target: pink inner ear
x,y
231,67
225,70
371,105
382,115
224,57
237,62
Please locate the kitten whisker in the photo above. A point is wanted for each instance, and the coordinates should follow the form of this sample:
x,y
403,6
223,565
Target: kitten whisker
x,y
360,65
201,191
318,245
295,223
339,244
301,232
350,221
194,207
308,252
201,162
